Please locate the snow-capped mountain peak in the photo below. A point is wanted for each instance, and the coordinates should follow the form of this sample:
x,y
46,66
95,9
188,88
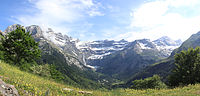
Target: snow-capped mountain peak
x,y
166,41
56,38
166,45
49,34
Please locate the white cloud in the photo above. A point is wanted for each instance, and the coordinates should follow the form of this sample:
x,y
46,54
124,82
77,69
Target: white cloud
x,y
149,14
178,3
153,19
172,18
111,32
60,15
95,13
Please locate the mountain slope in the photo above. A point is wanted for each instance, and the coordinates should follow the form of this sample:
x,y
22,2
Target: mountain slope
x,y
164,68
191,42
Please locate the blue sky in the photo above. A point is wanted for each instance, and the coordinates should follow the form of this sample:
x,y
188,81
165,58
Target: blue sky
x,y
106,19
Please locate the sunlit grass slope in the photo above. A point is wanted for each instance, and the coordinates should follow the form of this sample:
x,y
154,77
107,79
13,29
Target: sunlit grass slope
x,y
31,84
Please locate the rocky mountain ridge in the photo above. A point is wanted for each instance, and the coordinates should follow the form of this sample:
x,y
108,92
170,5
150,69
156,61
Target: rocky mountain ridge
x,y
118,58
94,51
99,49
132,58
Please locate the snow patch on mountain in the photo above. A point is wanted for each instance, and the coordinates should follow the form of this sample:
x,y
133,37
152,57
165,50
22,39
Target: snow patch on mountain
x,y
99,49
144,46
82,45
98,56
56,38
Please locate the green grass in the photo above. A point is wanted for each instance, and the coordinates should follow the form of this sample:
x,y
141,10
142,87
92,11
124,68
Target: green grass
x,y
31,84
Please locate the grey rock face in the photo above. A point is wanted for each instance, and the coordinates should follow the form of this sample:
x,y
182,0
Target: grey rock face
x,y
35,31
11,28
7,89
99,49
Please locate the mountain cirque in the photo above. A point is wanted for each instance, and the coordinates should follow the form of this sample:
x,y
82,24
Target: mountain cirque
x,y
116,58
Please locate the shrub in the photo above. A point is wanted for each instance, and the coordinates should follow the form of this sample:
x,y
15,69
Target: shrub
x,y
42,70
148,83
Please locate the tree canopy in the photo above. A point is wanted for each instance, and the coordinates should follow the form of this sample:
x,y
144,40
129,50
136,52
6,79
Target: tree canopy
x,y
187,68
19,46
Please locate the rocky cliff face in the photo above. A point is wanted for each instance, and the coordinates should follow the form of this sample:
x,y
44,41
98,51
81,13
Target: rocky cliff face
x,y
95,51
99,49
11,28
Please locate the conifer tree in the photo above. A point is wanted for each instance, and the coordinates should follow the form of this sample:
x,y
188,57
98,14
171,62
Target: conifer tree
x,y
19,46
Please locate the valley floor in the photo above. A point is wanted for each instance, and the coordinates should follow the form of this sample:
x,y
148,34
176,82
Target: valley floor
x,y
30,84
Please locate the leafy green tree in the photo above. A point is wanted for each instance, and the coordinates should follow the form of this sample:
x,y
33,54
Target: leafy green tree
x,y
148,83
19,46
187,68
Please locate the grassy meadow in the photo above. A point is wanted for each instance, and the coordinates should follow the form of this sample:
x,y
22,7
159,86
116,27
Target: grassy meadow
x,y
32,85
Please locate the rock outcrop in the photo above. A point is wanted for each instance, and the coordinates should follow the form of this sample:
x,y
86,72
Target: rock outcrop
x,y
7,89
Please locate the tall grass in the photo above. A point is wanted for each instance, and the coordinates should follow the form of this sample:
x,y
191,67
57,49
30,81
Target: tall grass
x,y
30,84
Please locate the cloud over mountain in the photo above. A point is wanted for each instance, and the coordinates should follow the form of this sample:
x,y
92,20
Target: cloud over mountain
x,y
174,18
60,14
